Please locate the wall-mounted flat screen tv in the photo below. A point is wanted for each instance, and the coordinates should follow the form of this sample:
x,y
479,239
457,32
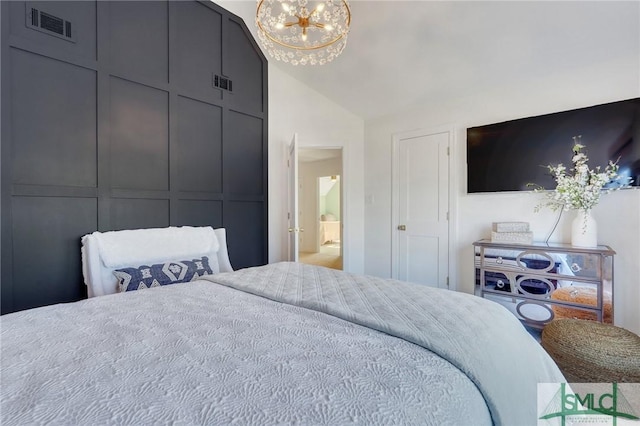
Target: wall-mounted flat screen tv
x,y
508,156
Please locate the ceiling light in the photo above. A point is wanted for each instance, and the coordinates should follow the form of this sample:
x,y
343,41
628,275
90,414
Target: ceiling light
x,y
303,32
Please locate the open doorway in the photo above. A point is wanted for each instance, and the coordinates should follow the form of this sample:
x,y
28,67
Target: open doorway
x,y
320,207
330,229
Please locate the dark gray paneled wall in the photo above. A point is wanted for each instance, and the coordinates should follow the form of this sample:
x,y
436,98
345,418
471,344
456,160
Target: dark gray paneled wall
x,y
122,128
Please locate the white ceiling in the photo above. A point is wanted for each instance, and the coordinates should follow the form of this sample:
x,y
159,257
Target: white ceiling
x,y
307,155
401,54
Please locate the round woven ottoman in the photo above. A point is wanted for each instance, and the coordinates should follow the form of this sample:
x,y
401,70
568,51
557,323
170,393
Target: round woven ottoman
x,y
584,295
593,352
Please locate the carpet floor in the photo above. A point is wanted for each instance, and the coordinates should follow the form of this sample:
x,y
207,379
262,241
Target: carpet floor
x,y
329,256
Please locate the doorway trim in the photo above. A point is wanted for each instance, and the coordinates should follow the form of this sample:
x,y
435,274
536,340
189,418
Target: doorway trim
x,y
344,217
453,192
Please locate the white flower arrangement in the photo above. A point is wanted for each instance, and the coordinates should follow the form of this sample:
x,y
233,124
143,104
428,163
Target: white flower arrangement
x,y
582,189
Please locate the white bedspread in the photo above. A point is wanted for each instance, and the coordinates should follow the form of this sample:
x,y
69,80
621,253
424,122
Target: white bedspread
x,y
202,353
478,336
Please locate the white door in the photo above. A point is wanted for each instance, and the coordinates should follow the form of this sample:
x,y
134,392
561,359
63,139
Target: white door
x,y
420,243
292,214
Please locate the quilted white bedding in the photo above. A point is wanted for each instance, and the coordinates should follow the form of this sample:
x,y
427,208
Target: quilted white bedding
x,y
207,353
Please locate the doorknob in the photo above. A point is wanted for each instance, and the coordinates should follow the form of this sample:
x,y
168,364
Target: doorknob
x,y
290,229
301,229
402,227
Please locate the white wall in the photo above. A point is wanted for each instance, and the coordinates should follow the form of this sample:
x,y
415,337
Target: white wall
x,y
318,123
618,214
615,75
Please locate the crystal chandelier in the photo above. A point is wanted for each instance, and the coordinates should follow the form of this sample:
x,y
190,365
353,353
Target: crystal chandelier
x,y
303,32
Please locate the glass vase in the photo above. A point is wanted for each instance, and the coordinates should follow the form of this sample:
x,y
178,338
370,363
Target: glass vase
x,y
584,230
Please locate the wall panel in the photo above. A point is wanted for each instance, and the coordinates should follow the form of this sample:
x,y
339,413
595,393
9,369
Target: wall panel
x,y
133,213
53,121
199,213
138,38
245,65
46,250
139,120
200,139
81,15
198,49
244,147
244,223
121,127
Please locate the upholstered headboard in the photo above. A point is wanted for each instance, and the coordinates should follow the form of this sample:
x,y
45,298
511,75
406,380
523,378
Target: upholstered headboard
x,y
103,252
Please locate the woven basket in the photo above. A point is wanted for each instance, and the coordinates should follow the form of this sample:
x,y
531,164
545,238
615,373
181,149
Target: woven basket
x,y
593,352
585,296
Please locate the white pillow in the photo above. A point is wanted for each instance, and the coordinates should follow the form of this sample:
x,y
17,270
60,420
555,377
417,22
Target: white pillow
x,y
138,246
99,277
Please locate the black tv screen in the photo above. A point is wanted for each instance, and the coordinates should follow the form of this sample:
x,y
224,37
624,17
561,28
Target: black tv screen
x,y
507,156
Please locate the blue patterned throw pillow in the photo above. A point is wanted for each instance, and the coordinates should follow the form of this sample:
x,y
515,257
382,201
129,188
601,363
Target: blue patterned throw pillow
x,y
172,272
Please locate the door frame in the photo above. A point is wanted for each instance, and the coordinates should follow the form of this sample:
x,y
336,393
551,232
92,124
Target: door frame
x,y
343,199
293,244
452,225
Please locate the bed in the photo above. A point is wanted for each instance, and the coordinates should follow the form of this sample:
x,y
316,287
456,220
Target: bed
x,y
284,343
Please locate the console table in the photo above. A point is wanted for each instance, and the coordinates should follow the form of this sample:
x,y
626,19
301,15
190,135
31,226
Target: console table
x,y
540,281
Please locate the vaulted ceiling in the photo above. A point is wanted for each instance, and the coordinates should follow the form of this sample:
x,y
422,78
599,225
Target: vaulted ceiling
x,y
406,53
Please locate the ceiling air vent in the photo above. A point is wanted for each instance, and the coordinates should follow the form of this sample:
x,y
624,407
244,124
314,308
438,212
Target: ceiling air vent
x,y
222,83
49,24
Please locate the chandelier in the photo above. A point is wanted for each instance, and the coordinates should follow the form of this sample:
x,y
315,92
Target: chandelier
x,y
303,32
